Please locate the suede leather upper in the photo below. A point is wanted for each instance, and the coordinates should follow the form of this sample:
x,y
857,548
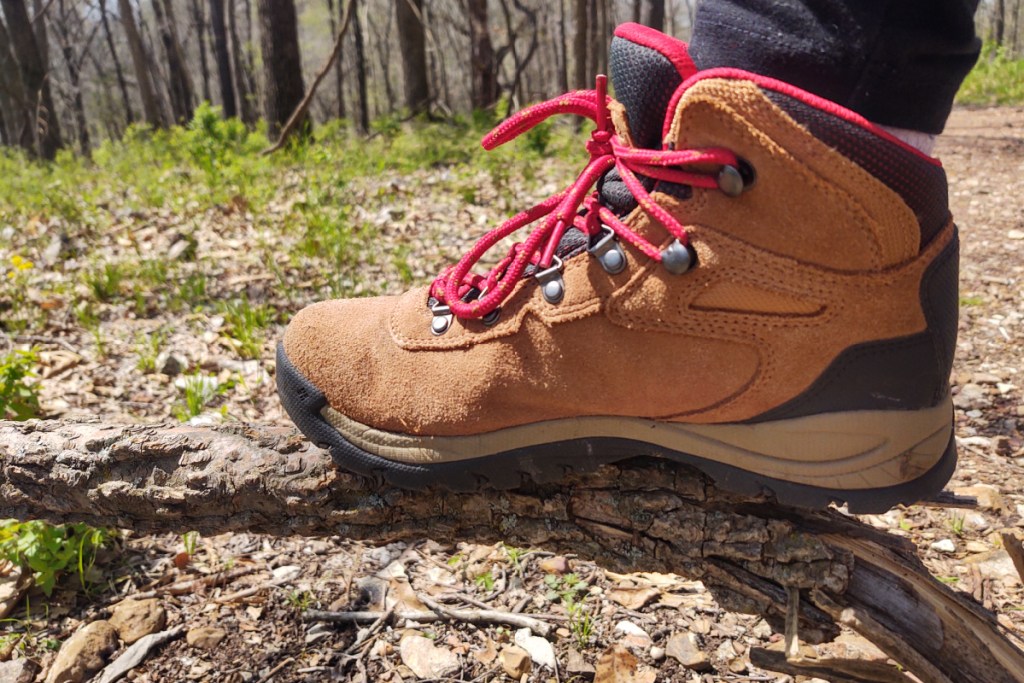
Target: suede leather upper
x,y
816,257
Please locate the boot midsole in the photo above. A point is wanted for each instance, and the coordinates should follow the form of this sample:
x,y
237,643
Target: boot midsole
x,y
845,450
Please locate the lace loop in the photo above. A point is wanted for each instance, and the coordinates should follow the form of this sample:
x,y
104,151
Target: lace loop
x,y
562,211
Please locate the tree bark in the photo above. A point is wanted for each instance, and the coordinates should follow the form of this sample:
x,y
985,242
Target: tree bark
x,y
35,79
16,106
655,17
151,110
282,64
643,514
411,36
179,84
199,23
579,46
122,84
339,71
363,121
73,66
222,53
483,76
244,93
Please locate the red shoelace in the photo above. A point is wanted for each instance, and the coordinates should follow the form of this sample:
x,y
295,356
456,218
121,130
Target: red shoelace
x,y
563,209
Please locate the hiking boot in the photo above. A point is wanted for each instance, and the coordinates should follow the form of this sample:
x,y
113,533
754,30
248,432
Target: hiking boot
x,y
762,285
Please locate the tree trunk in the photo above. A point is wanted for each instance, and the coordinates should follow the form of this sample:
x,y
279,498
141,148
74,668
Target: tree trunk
x,y
199,23
73,67
411,36
34,78
118,71
179,85
16,107
282,65
999,22
246,108
361,66
563,49
339,71
655,14
484,78
579,46
222,52
805,572
151,110
637,10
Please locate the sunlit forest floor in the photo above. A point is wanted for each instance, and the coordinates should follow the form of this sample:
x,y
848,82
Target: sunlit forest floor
x,y
150,283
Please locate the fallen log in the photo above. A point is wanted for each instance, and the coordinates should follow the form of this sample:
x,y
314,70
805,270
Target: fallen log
x,y
643,514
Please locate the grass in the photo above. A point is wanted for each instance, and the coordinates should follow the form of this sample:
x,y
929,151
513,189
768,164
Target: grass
x,y
997,79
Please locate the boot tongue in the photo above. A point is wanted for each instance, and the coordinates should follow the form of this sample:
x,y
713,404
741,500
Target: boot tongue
x,y
646,67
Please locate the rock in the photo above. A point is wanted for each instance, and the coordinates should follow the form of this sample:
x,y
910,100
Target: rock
x,y
985,378
539,648
576,664
286,573
134,619
988,496
944,546
171,364
13,585
971,396
425,659
996,564
684,648
1015,234
554,565
657,653
18,671
205,637
84,653
515,661
633,636
976,547
486,655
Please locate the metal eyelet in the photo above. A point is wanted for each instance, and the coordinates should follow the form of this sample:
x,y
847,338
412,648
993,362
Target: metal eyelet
x,y
442,319
677,258
735,180
491,319
552,286
608,252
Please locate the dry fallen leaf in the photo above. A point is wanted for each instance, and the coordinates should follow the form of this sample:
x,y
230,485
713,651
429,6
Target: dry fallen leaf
x,y
618,665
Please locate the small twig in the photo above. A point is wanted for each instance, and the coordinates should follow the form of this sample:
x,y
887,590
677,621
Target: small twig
x,y
136,654
40,339
948,499
191,585
370,632
276,670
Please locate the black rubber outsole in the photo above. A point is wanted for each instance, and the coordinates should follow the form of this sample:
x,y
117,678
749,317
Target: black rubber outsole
x,y
548,463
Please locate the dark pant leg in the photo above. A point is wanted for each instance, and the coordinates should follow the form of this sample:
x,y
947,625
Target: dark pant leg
x,y
895,62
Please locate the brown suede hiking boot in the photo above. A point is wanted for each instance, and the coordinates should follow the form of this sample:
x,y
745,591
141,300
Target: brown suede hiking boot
x,y
763,285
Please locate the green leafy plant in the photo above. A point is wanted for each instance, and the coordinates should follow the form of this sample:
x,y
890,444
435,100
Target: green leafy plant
x,y
485,581
50,551
571,591
246,325
19,397
198,391
147,349
997,78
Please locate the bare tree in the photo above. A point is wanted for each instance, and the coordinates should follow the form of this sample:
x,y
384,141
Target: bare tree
x,y
13,100
357,29
151,110
239,67
409,15
655,17
34,78
579,45
178,82
222,53
484,83
122,84
282,64
199,23
339,71
74,49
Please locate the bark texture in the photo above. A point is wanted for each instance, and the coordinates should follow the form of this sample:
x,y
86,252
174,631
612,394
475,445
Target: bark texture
x,y
30,52
411,36
282,65
151,110
222,54
639,515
